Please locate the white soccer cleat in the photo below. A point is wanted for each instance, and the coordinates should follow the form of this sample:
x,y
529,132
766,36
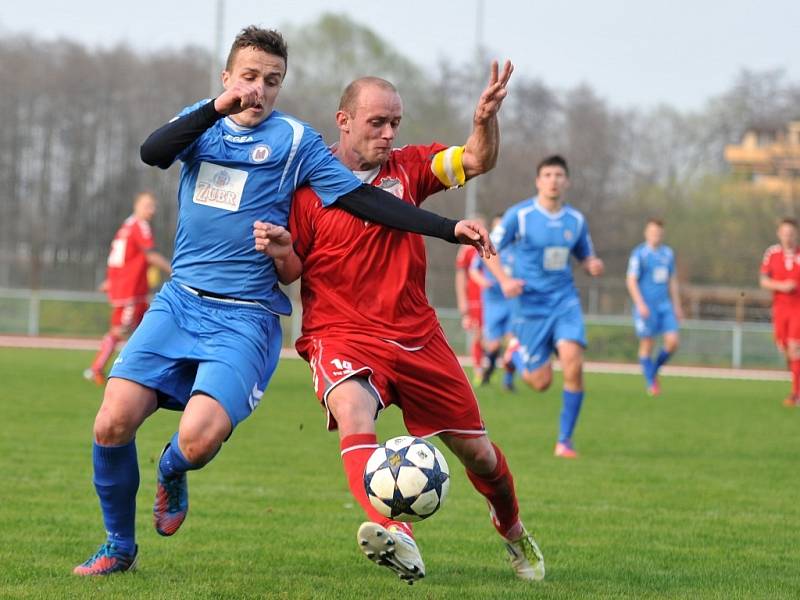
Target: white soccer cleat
x,y
526,558
393,549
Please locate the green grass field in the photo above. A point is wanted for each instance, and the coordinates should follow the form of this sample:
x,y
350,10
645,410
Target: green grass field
x,y
692,495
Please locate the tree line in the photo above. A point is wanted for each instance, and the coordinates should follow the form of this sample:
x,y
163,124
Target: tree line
x,y
75,117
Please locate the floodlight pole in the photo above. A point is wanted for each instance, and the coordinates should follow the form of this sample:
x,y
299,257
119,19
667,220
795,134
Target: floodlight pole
x,y
471,202
214,66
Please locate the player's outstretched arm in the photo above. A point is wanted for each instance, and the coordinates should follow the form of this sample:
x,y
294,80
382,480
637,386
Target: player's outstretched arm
x,y
483,144
158,260
276,241
510,286
379,206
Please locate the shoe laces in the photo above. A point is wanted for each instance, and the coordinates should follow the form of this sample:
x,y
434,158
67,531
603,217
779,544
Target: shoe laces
x,y
174,488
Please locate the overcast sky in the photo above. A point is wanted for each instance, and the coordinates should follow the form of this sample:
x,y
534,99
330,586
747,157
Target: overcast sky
x,y
633,53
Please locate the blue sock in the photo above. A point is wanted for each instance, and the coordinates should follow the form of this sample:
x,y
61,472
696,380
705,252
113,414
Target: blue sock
x,y
116,480
173,462
648,369
516,360
661,359
569,413
508,379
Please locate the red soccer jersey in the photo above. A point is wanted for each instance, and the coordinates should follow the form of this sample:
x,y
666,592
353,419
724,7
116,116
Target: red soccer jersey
x,y
362,277
127,262
463,260
780,266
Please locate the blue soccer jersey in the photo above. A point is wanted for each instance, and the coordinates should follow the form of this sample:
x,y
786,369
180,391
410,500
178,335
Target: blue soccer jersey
x,y
653,268
232,176
543,243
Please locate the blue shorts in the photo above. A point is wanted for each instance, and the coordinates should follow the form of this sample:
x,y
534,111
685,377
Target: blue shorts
x,y
496,319
187,344
661,320
538,336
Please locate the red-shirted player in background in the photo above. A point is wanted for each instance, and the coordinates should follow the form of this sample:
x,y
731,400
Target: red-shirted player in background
x,y
780,273
468,296
369,333
132,252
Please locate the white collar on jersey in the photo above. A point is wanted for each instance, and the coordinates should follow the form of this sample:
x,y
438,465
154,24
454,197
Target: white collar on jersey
x,y
235,126
367,176
545,212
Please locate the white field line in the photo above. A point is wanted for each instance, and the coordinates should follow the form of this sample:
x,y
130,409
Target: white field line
x,y
23,341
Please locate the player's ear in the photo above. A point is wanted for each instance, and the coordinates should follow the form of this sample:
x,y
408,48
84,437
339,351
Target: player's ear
x,y
343,121
226,78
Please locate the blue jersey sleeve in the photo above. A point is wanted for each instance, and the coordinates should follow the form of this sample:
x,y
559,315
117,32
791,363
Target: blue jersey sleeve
x,y
504,234
317,167
635,264
583,248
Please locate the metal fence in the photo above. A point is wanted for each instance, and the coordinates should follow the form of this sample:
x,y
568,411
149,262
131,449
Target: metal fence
x,y
611,338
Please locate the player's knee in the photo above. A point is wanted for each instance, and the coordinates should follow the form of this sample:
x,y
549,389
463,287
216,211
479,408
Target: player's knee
x,y
539,381
482,458
112,427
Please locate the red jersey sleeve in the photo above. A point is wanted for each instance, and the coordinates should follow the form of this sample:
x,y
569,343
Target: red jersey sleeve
x,y
301,219
417,160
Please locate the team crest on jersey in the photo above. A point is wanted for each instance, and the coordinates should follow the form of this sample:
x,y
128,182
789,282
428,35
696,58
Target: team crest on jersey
x,y
260,153
567,235
392,185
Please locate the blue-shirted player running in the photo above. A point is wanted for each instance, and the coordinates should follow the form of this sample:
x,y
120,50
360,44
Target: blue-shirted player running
x,y
653,287
546,310
496,313
210,341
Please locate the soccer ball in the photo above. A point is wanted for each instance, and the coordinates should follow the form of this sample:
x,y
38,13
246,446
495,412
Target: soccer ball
x,y
407,479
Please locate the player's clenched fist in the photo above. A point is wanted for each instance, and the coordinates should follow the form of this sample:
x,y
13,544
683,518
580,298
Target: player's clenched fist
x,y
272,240
239,97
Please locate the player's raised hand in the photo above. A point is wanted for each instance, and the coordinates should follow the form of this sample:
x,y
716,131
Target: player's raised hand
x,y
272,240
495,92
594,266
474,233
239,97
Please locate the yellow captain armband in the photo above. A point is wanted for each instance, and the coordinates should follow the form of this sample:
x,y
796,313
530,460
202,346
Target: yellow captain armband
x,y
448,167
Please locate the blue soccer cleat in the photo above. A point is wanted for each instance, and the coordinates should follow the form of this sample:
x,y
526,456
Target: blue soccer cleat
x,y
172,502
107,560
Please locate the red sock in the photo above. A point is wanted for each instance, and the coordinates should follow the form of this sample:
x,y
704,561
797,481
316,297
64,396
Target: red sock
x,y
477,353
107,346
498,489
356,450
794,365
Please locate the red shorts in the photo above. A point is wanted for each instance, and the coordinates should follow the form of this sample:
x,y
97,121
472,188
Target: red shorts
x,y
786,325
427,384
128,316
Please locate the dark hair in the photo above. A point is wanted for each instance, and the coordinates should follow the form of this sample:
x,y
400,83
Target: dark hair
x,y
655,221
788,221
556,160
350,93
266,40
